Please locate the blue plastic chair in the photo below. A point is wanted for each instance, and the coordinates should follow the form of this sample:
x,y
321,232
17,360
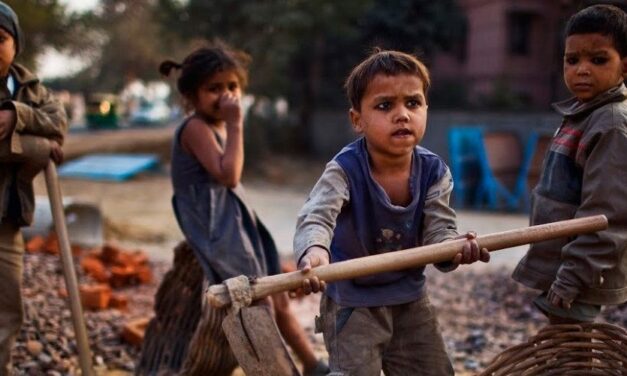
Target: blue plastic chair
x,y
475,183
464,142
493,193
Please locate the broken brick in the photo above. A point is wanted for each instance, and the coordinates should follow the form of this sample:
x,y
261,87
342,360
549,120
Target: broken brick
x,y
144,274
133,331
52,244
36,244
109,253
93,267
95,296
119,301
122,276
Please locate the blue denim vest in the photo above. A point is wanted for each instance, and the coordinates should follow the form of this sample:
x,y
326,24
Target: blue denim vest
x,y
370,224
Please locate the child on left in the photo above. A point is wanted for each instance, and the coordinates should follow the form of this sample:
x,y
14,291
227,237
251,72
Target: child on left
x,y
27,109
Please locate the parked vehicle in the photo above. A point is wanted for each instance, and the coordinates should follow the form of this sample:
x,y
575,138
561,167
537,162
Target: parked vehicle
x,y
102,110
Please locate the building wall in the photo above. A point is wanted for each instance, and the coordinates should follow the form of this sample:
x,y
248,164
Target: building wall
x,y
489,66
332,129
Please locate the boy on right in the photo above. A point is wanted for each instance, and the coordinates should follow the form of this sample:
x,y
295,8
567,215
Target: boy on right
x,y
584,173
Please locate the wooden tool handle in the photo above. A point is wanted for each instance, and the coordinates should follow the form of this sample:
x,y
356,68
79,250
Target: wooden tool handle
x,y
67,263
219,297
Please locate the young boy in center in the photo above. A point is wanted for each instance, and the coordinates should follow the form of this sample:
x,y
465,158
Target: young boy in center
x,y
381,193
585,172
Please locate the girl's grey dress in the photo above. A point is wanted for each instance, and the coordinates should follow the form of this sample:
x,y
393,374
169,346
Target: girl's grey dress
x,y
224,232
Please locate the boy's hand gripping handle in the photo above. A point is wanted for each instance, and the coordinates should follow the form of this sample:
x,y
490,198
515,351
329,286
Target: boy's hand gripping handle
x,y
218,295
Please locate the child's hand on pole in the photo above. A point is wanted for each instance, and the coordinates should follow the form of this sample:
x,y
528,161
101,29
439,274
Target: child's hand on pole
x,y
56,153
7,123
558,301
470,252
314,256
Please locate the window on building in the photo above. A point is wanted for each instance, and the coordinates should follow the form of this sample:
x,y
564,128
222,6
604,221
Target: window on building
x,y
519,33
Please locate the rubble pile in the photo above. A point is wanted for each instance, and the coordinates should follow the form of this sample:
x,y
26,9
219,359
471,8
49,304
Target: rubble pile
x,y
117,292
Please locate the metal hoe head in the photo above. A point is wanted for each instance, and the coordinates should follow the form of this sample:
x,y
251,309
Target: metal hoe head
x,y
254,336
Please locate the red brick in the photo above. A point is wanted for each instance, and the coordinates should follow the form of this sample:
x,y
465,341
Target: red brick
x,y
144,274
133,331
119,301
93,267
122,276
109,253
95,296
36,244
52,244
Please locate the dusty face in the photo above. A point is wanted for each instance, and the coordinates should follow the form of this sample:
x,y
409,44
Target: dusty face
x,y
393,114
592,65
7,52
207,101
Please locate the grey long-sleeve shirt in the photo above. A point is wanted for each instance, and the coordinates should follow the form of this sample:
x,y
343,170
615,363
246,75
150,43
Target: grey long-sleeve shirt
x,y
317,218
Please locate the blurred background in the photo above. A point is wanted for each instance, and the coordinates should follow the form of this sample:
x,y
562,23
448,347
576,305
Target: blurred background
x,y
496,67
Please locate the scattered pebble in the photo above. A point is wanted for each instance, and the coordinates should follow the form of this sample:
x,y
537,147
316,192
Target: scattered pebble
x,y
481,313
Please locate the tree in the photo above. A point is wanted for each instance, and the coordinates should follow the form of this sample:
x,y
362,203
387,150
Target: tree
x,y
304,49
47,24
419,26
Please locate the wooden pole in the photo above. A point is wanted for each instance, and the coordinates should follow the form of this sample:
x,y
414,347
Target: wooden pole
x,y
218,295
58,214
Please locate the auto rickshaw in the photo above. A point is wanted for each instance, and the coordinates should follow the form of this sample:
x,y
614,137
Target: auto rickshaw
x,y
102,111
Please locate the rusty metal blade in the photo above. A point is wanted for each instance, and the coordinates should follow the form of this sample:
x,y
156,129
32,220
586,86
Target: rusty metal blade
x,y
257,344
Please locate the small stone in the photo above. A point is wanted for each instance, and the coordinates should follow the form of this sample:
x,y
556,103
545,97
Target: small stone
x,y
34,347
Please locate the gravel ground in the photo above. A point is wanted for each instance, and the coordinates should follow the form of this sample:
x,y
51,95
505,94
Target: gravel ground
x,y
481,313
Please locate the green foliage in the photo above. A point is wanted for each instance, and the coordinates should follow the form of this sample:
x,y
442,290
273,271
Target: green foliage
x,y
302,49
419,26
46,24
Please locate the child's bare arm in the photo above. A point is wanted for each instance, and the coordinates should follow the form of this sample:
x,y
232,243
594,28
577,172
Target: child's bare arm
x,y
225,165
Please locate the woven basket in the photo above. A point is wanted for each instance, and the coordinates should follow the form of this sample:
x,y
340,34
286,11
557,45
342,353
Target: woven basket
x,y
585,349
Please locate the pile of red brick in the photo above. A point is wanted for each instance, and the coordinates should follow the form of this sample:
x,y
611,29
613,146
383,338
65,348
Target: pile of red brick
x,y
110,267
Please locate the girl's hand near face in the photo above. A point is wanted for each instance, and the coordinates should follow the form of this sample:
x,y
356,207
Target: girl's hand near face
x,y
230,110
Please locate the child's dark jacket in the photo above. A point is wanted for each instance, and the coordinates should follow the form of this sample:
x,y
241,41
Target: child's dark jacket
x,y
38,113
585,173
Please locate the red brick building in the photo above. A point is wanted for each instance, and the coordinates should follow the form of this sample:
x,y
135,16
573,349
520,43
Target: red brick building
x,y
512,51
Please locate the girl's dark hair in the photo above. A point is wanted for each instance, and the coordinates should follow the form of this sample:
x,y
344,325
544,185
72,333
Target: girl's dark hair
x,y
607,20
390,63
204,63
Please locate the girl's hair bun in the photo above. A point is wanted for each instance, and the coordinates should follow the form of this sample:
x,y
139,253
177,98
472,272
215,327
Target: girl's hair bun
x,y
167,65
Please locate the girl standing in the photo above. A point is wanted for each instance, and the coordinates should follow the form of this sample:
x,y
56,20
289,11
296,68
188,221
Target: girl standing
x,y
224,233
